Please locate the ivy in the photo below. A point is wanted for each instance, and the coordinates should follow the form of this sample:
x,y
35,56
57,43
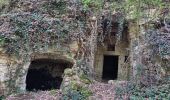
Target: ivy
x,y
56,6
2,40
31,33
86,2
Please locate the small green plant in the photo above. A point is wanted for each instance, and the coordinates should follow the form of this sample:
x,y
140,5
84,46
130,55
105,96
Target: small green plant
x,y
94,5
86,3
1,41
135,92
72,95
56,6
80,94
76,91
85,79
53,92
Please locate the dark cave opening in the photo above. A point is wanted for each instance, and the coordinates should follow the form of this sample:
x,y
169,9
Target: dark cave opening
x,y
41,80
45,74
110,68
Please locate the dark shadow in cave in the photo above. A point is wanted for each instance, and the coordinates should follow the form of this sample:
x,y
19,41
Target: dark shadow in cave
x,y
110,68
45,74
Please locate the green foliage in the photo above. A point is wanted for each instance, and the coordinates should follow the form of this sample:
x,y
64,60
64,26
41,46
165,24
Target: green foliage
x,y
86,2
85,79
2,40
56,6
53,92
135,92
32,33
76,92
135,9
3,2
72,95
69,72
94,5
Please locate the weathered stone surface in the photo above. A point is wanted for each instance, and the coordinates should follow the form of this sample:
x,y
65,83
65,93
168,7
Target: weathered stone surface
x,y
120,51
148,57
78,50
13,73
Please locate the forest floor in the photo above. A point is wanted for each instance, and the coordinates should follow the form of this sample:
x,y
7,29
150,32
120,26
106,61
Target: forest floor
x,y
104,91
101,91
40,95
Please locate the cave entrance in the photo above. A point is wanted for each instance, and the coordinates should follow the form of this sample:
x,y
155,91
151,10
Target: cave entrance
x,y
45,74
110,67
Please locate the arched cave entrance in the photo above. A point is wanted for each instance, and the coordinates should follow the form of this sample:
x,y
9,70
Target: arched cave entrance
x,y
45,74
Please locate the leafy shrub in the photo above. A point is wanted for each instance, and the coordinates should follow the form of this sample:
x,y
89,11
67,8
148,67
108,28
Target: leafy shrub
x,y
57,6
135,92
72,95
85,79
69,72
77,92
97,4
53,92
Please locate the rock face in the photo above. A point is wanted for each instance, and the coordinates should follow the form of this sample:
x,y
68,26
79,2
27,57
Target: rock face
x,y
29,30
62,31
13,73
120,51
150,56
7,68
